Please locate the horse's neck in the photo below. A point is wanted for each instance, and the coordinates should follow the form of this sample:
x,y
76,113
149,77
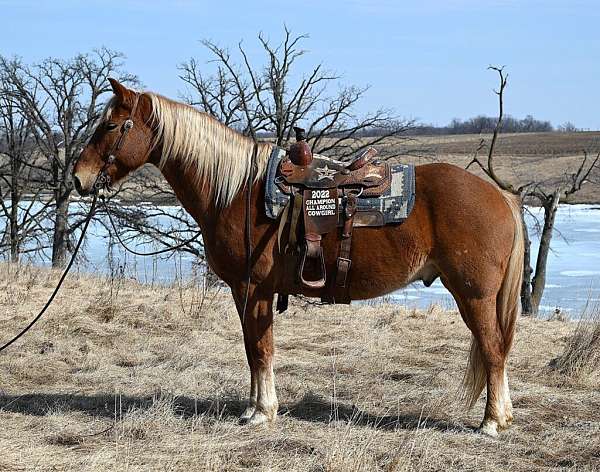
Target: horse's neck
x,y
198,198
195,194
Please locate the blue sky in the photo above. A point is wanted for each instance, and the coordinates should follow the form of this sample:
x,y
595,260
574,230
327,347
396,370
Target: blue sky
x,y
426,59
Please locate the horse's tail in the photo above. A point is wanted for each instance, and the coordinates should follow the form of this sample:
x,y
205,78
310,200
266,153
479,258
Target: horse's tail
x,y
508,306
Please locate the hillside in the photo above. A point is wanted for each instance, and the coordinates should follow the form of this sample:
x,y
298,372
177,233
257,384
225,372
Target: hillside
x,y
121,376
520,157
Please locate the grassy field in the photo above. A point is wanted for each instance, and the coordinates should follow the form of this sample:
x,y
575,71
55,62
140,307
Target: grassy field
x,y
120,376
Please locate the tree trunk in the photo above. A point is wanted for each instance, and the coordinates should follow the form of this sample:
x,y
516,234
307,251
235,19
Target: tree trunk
x,y
526,301
14,231
539,280
60,237
14,210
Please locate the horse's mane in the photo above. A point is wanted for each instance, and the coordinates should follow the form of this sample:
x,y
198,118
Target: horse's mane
x,y
198,141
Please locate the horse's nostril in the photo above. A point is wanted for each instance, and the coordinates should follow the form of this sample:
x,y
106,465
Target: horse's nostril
x,y
77,184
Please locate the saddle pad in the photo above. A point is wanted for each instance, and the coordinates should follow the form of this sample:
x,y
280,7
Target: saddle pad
x,y
393,207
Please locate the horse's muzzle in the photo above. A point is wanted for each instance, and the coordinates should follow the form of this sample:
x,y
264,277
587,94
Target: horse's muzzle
x,y
79,186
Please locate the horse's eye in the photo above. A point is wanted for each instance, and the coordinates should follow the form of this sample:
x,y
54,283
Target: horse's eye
x,y
111,126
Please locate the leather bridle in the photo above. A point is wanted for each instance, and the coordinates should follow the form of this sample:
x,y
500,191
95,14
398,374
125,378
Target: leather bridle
x,y
103,180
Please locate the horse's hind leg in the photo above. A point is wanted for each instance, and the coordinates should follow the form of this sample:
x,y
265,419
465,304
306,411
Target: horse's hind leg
x,y
488,358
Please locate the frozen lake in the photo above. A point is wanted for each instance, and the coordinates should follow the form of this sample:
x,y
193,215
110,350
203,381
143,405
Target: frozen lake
x,y
573,276
573,272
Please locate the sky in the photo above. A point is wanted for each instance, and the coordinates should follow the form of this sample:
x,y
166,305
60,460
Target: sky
x,y
425,59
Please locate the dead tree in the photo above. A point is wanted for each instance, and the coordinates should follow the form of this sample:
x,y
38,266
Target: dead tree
x,y
22,175
61,100
544,193
265,100
549,201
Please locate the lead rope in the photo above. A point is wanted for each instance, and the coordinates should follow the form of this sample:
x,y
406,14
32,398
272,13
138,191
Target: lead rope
x,y
101,180
60,281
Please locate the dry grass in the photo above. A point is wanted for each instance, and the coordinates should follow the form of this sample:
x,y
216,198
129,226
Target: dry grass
x,y
120,376
581,357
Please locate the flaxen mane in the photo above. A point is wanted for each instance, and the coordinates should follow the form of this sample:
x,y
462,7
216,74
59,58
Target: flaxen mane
x,y
221,155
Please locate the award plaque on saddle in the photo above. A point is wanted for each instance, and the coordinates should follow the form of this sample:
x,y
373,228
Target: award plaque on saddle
x,y
320,208
320,211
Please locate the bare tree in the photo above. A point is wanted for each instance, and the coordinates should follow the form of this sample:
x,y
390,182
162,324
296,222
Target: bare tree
x,y
549,201
548,194
61,100
264,99
568,127
22,176
158,221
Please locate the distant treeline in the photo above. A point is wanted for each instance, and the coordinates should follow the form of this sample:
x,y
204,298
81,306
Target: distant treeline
x,y
483,124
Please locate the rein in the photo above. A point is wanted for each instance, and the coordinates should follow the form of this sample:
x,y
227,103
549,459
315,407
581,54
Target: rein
x,y
102,180
248,228
132,251
61,280
137,253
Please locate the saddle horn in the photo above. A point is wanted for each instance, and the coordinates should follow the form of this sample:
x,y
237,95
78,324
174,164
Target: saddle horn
x,y
300,153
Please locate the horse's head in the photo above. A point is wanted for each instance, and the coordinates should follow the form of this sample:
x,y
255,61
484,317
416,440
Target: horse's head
x,y
120,144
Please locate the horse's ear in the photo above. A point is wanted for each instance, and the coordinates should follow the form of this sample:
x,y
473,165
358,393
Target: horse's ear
x,y
122,93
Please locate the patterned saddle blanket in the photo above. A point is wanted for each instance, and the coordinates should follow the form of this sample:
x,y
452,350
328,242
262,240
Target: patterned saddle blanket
x,y
391,207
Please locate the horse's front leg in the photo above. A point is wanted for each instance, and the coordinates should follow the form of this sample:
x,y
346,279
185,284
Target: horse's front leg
x,y
251,404
257,325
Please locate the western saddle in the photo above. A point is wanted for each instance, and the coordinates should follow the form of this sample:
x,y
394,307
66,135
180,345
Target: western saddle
x,y
323,195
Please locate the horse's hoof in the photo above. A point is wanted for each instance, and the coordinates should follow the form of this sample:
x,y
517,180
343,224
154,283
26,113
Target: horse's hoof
x,y
489,428
507,424
247,414
258,418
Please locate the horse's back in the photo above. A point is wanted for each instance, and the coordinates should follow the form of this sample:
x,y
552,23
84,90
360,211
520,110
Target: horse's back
x,y
449,187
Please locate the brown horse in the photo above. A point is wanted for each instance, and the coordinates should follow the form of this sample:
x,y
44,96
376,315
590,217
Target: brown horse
x,y
462,229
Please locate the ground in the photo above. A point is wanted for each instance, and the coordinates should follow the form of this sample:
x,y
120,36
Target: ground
x,y
122,376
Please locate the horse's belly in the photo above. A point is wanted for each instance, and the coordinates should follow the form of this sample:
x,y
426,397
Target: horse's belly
x,y
384,259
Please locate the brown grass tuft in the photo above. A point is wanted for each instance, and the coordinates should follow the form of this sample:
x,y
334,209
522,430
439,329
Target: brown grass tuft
x,y
581,357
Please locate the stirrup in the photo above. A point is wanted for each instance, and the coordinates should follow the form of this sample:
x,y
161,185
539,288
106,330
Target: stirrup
x,y
313,250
